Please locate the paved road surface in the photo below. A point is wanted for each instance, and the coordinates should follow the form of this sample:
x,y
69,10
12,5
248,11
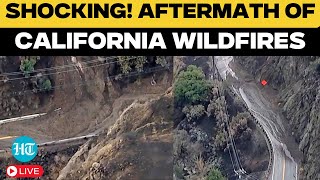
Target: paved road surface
x,y
6,141
284,166
21,118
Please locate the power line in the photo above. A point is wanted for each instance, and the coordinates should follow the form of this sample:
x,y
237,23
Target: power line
x,y
12,79
33,91
57,67
231,158
75,69
233,142
233,146
230,154
232,139
137,73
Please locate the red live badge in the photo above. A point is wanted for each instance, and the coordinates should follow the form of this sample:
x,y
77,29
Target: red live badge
x,y
24,171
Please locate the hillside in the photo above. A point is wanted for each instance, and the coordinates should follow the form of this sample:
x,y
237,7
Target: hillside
x,y
295,82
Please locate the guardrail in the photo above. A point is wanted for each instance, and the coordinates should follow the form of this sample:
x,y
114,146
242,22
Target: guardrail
x,y
67,140
58,142
268,141
5,121
269,145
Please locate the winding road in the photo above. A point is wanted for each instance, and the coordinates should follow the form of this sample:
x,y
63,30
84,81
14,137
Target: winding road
x,y
284,167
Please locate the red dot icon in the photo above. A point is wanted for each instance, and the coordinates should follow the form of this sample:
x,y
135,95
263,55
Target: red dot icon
x,y
264,82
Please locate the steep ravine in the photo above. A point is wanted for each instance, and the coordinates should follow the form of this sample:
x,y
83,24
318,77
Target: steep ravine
x,y
138,146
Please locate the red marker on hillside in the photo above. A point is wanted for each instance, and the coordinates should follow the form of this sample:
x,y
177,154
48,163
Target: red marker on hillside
x,y
264,82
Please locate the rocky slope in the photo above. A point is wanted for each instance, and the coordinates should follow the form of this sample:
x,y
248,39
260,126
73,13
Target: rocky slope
x,y
296,85
92,98
138,146
85,90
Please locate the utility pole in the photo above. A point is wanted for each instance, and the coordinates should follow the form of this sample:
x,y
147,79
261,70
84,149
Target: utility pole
x,y
239,171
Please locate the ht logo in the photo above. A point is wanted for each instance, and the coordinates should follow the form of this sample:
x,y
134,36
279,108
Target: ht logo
x,y
24,149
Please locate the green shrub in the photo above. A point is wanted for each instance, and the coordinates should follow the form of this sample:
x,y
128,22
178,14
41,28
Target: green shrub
x,y
27,65
194,112
215,175
191,85
127,63
161,60
45,85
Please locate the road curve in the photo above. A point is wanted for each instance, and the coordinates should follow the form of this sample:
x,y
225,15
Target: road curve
x,y
284,166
